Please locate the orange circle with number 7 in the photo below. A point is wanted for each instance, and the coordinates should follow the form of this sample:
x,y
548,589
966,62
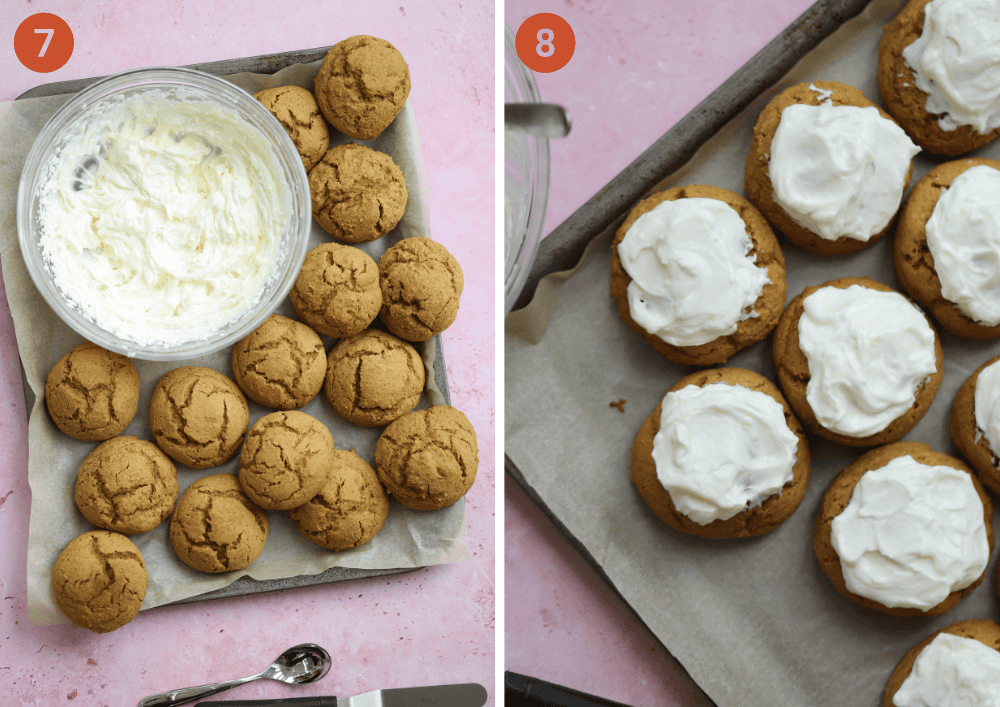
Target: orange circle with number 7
x,y
43,42
545,42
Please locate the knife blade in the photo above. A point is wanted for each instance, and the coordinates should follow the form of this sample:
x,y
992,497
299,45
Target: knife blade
x,y
470,694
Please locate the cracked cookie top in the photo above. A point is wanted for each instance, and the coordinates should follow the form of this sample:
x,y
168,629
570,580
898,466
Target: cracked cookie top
x,y
297,111
337,291
421,284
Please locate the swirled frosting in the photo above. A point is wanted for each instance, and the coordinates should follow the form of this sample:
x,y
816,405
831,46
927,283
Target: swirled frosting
x,y
710,481
839,170
952,671
963,235
161,218
694,277
911,534
868,352
955,61
986,406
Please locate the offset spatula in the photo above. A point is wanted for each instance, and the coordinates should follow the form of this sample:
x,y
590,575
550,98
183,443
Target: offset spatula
x,y
464,695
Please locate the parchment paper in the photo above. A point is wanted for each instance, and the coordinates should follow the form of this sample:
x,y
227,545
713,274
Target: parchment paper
x,y
408,539
754,622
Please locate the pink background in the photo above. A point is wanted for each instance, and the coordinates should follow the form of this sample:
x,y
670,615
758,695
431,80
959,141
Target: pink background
x,y
638,68
432,626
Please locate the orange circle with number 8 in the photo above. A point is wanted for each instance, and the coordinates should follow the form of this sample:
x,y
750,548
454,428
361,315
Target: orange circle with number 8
x,y
545,42
43,42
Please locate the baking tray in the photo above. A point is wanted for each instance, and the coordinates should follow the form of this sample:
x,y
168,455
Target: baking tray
x,y
263,64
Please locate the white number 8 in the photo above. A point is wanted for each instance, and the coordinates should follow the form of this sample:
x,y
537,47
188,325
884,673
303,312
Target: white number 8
x,y
545,47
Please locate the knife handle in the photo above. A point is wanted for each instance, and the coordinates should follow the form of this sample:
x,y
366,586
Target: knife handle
x,y
316,701
521,690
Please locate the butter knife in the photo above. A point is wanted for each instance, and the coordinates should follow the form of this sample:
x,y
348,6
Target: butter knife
x,y
462,695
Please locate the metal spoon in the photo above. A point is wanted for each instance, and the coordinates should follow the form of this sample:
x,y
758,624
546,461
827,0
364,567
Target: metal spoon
x,y
538,119
298,665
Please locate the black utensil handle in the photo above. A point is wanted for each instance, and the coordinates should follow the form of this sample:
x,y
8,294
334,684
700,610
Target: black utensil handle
x,y
523,690
317,701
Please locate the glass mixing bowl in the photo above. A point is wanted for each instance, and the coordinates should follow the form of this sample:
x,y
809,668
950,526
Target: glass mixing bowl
x,y
181,84
526,180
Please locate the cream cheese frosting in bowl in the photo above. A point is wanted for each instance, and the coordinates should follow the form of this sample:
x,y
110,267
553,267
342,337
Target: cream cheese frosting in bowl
x,y
163,213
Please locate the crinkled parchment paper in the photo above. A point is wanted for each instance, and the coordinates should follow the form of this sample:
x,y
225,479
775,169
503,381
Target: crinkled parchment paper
x,y
755,622
409,539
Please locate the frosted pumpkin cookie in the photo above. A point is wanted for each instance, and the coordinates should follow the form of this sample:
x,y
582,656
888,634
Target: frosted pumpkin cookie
x,y
975,422
745,487
827,167
947,246
698,272
961,661
939,73
859,363
905,530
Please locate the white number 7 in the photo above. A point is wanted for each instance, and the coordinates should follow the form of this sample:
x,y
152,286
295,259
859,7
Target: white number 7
x,y
48,39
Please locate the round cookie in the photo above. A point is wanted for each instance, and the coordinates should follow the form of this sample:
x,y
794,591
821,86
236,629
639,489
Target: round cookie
x,y
349,510
286,460
751,522
298,112
982,630
913,260
792,369
92,394
373,377
428,459
337,291
838,495
966,435
215,527
358,194
906,102
362,85
198,416
281,364
421,283
768,256
126,485
757,180
99,581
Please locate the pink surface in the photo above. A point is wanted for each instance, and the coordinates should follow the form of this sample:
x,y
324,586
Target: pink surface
x,y
639,67
428,627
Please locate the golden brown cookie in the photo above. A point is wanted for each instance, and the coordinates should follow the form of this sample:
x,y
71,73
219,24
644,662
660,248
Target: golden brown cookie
x,y
373,377
297,111
362,85
768,256
126,485
756,178
358,194
99,581
966,435
421,283
337,291
286,460
793,372
349,510
281,364
982,630
198,416
913,259
897,87
428,459
92,394
752,522
215,527
838,495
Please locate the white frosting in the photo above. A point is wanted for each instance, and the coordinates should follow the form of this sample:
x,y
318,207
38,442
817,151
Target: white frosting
x,y
868,353
710,481
987,406
956,62
694,277
911,534
839,170
963,234
952,671
161,218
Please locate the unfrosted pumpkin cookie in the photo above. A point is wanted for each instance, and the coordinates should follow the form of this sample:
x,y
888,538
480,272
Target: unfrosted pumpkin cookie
x,y
827,167
421,284
297,111
743,488
975,422
281,364
337,291
905,530
698,273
